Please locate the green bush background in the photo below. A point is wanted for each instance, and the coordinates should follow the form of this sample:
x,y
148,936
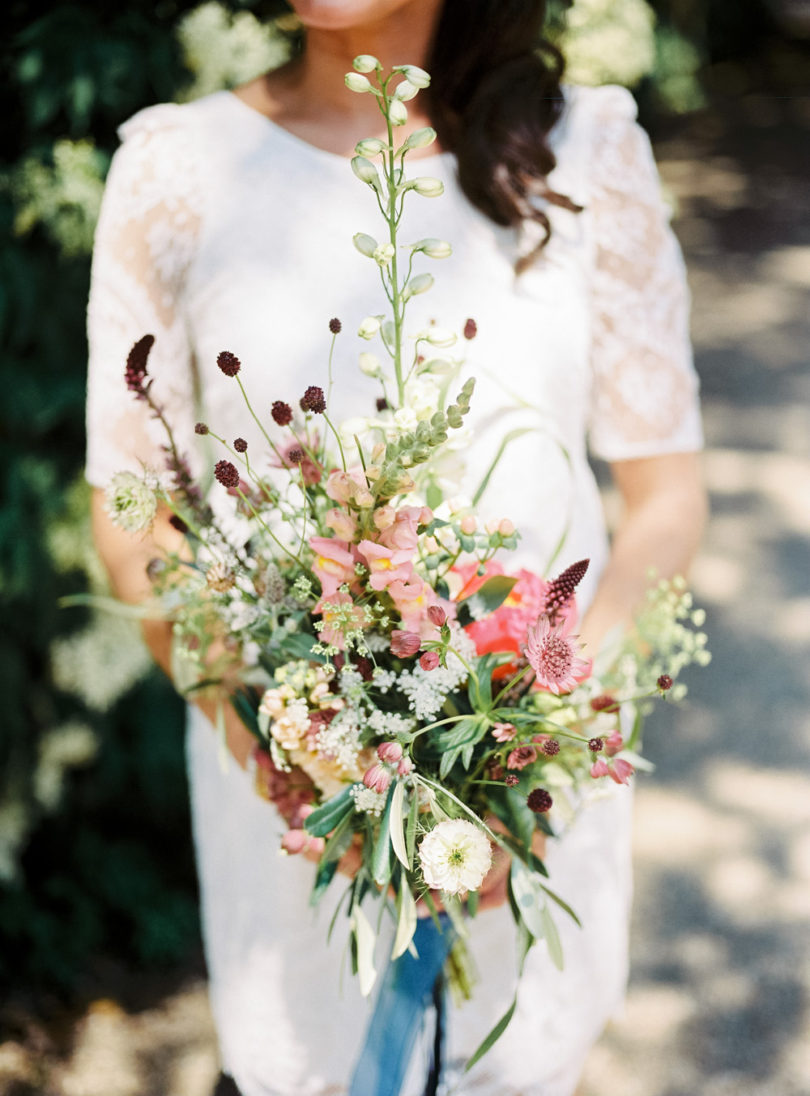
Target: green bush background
x,y
95,853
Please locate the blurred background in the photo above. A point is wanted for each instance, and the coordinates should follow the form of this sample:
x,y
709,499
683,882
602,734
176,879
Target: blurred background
x,y
102,989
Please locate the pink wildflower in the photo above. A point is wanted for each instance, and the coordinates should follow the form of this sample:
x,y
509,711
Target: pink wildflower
x,y
504,732
554,657
429,660
404,767
402,533
333,565
342,522
599,768
390,752
618,770
436,615
377,777
613,743
521,757
405,644
386,565
412,599
349,487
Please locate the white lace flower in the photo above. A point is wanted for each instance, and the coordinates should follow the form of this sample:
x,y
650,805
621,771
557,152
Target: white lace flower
x,y
130,502
455,856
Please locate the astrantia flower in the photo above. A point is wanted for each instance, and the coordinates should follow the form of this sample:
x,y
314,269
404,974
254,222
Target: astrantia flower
x,y
455,856
130,502
554,657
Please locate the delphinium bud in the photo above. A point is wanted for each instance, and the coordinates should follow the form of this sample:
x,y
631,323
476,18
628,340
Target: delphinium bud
x,y
135,372
228,363
470,329
415,75
539,801
335,326
427,186
365,244
240,445
435,249
368,327
226,473
370,146
313,400
357,82
365,171
420,138
561,589
200,428
365,62
282,413
397,112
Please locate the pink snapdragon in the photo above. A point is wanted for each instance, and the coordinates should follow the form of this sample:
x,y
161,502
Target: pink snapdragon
x,y
342,522
349,488
402,532
334,563
385,565
412,599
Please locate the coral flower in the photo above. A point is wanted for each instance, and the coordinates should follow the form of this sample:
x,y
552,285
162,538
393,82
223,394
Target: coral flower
x,y
333,565
554,657
385,565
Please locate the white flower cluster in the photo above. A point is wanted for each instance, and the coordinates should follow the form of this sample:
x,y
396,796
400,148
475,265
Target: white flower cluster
x,y
426,689
130,501
366,800
339,741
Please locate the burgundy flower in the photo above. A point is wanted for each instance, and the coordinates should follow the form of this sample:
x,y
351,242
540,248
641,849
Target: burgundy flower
x,y
281,412
539,801
511,780
550,747
228,363
226,473
240,445
295,455
382,403
521,757
604,703
664,683
200,428
561,589
335,325
470,329
313,400
135,372
596,745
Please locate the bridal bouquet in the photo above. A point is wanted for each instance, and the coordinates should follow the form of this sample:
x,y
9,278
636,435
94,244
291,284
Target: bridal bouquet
x,y
416,703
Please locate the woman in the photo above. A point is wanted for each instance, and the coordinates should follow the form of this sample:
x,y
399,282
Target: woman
x,y
227,223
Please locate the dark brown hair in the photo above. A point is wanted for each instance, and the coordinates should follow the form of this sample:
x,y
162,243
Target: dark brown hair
x,y
494,97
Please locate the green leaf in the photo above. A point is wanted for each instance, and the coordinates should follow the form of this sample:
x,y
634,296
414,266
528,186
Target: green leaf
x,y
323,877
491,594
528,898
381,853
410,831
406,920
364,940
326,817
397,824
562,904
525,941
552,936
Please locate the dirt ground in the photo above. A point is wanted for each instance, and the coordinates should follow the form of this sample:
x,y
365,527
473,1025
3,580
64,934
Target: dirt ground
x,y
718,1003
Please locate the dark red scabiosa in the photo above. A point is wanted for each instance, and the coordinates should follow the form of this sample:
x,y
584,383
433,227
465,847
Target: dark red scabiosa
x,y
228,363
539,801
550,747
596,745
282,413
135,372
470,329
561,589
511,780
335,325
240,445
664,683
200,428
226,473
313,400
604,703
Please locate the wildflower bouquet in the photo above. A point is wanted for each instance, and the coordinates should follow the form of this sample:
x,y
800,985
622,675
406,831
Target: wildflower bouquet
x,y
414,703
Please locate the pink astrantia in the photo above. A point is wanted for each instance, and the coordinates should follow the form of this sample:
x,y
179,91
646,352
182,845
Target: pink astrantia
x,y
554,657
504,732
521,757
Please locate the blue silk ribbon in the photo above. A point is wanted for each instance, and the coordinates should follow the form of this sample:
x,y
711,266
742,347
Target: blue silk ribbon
x,y
406,991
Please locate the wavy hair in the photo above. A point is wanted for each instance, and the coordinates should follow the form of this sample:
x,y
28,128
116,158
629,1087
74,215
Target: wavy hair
x,y
494,97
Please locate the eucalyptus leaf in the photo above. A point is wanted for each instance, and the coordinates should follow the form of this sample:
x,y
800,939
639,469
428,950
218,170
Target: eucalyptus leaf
x,y
406,920
381,853
552,936
397,825
528,898
326,817
364,940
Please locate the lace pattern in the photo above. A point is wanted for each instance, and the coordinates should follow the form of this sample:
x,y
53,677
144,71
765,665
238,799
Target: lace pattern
x,y
644,387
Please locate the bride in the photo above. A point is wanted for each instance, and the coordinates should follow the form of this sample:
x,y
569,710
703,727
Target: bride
x,y
227,223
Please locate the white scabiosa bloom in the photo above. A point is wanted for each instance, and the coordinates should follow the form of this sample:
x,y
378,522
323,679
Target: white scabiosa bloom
x,y
455,856
130,502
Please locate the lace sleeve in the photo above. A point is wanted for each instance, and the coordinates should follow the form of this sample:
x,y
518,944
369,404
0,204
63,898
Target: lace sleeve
x,y
145,242
644,399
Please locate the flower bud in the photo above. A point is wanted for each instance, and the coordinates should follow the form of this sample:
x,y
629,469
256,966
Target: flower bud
x,y
369,327
420,283
436,615
417,76
404,644
356,82
438,336
369,364
427,186
505,527
405,91
377,778
468,525
397,113
370,146
366,62
420,138
365,170
364,243
404,767
429,660
390,752
434,249
383,254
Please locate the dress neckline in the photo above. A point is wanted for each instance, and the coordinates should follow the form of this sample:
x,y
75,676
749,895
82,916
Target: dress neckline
x,y
294,141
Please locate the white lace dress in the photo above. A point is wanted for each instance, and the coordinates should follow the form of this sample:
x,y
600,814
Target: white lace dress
x,y
222,231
